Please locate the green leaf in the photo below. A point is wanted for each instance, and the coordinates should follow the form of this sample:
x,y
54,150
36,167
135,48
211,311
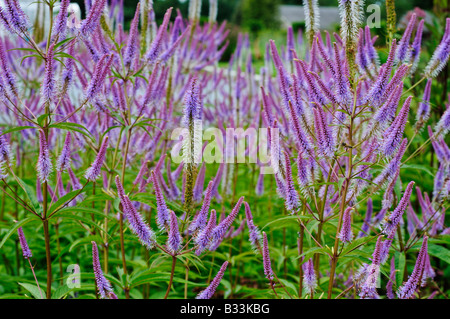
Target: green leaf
x,y
69,215
415,167
34,290
440,252
286,221
151,201
14,228
355,244
30,56
62,42
63,200
74,127
315,250
400,262
66,55
30,192
61,292
16,129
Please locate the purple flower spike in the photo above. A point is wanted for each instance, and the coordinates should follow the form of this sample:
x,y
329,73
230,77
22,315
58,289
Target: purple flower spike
x,y
379,87
266,259
394,219
199,184
132,43
395,133
390,170
366,224
302,139
155,48
17,19
443,126
23,244
63,162
44,164
60,25
94,171
292,201
324,135
104,287
67,73
368,288
200,222
98,77
90,24
309,276
254,233
163,212
441,54
209,292
409,288
403,45
49,84
389,291
416,46
346,235
220,230
204,237
259,190
5,149
137,224
174,238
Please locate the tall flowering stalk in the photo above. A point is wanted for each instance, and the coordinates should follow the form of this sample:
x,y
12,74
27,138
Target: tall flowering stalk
x,y
312,18
211,289
104,287
408,289
191,140
94,171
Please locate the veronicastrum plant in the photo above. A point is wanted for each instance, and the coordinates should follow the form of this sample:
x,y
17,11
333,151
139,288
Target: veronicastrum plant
x,y
86,142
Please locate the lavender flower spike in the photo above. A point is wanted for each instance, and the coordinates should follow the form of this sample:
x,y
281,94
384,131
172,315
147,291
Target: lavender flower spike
x,y
409,288
162,217
220,230
63,161
44,164
60,25
403,45
94,171
92,20
423,110
266,259
394,219
155,47
441,54
137,224
5,149
368,289
443,126
204,237
103,285
200,222
309,276
254,233
395,133
292,201
174,239
132,43
49,84
209,292
345,235
23,244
